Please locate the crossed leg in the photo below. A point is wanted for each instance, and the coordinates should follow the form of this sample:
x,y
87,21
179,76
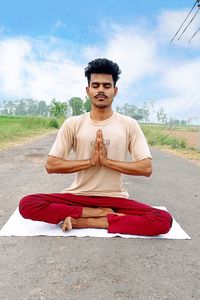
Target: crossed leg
x,y
118,215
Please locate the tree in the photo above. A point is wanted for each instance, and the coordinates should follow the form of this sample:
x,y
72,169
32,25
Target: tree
x,y
32,107
161,115
8,108
43,108
174,122
76,104
135,112
150,105
130,110
183,122
59,109
146,112
21,108
139,114
87,104
119,109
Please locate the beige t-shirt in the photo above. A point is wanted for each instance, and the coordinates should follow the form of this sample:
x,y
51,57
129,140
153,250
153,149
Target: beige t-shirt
x,y
121,135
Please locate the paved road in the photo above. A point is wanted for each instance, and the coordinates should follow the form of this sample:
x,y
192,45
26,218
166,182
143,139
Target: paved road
x,y
99,268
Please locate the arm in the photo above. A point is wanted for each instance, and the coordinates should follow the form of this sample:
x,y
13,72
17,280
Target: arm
x,y
140,168
61,166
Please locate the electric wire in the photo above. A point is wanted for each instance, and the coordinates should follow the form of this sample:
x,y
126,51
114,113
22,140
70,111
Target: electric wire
x,y
197,101
187,102
184,21
192,107
174,128
189,23
194,35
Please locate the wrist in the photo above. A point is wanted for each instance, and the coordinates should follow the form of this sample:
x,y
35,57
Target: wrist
x,y
105,162
91,163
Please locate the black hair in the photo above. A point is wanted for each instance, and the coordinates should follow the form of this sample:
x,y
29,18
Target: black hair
x,y
102,66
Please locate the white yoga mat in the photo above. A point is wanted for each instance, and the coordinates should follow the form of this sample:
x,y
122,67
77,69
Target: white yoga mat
x,y
18,226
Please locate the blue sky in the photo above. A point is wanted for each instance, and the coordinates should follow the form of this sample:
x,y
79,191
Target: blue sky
x,y
45,45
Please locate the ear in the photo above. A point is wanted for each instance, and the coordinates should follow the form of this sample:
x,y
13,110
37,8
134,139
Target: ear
x,y
87,89
115,91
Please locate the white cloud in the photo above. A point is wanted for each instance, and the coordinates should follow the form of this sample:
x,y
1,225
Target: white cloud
x,y
30,68
182,78
135,54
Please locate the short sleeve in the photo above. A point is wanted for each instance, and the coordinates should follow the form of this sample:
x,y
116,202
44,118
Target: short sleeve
x,y
64,141
138,146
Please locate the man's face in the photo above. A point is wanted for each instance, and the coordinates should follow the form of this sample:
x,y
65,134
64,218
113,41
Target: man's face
x,y
101,90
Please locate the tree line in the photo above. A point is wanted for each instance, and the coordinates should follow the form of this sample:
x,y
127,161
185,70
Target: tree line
x,y
31,107
76,106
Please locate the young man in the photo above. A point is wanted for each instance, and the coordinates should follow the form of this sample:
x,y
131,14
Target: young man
x,y
101,141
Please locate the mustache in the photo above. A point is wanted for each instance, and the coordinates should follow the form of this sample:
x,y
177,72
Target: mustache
x,y
101,94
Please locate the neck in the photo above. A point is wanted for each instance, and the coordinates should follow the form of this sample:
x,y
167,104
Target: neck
x,y
97,114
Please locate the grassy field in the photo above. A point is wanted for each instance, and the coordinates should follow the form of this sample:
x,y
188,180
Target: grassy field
x,y
16,129
182,140
179,137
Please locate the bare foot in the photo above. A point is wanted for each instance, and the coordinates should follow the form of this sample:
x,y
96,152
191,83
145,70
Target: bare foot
x,y
67,224
98,221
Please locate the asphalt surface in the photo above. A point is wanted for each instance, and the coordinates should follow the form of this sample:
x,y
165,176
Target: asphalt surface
x,y
99,268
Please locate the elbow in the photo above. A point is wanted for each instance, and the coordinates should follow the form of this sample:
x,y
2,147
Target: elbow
x,y
49,168
148,172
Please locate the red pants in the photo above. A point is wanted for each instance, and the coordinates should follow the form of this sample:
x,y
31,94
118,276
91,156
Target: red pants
x,y
140,219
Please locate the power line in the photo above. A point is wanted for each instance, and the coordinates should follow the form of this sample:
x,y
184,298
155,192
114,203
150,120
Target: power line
x,y
192,107
189,110
184,21
189,23
193,104
194,34
187,102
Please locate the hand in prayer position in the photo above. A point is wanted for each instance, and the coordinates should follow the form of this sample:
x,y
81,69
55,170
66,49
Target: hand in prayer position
x,y
99,155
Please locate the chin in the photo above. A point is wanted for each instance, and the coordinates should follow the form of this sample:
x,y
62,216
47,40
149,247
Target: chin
x,y
102,106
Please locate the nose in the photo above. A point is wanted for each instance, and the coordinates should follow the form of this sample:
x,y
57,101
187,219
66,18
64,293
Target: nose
x,y
101,88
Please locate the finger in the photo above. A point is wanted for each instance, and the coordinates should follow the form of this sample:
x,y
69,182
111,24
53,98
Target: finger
x,y
101,146
97,146
97,134
100,134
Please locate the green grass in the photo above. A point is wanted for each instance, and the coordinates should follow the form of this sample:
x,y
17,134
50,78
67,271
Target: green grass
x,y
156,136
14,129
